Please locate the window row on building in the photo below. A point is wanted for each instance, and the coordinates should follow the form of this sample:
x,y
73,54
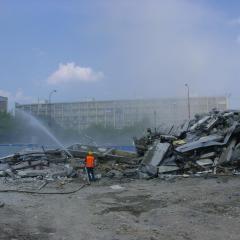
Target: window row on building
x,y
122,113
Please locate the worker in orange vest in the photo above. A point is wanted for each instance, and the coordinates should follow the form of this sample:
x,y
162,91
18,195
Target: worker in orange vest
x,y
90,165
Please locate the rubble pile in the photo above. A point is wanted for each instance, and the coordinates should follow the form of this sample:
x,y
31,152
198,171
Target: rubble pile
x,y
111,162
42,164
209,143
102,153
36,163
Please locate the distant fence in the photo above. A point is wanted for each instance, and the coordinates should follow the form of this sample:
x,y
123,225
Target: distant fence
x,y
125,148
19,145
6,149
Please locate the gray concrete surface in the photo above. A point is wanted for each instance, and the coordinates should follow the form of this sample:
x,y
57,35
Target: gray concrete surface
x,y
183,209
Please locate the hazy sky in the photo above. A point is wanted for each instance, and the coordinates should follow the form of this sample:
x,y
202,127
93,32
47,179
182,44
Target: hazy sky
x,y
115,49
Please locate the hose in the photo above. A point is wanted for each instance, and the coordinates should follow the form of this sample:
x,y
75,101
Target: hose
x,y
35,192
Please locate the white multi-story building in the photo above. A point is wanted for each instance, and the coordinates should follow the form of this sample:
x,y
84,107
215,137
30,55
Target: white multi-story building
x,y
122,113
3,104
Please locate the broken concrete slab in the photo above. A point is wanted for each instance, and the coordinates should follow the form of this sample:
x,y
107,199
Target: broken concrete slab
x,y
199,123
236,154
227,154
167,169
156,153
208,155
207,141
205,162
4,166
32,173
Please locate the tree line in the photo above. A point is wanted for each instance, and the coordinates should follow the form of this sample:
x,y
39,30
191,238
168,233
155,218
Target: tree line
x,y
13,129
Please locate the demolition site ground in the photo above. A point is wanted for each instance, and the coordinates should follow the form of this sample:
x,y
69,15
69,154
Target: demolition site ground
x,y
181,184
178,208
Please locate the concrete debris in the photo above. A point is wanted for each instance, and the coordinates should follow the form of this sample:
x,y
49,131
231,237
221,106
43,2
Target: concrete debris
x,y
207,144
32,173
56,164
114,174
32,163
117,187
204,162
156,153
167,169
102,153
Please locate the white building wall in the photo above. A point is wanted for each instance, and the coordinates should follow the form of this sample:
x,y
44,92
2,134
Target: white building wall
x,y
121,113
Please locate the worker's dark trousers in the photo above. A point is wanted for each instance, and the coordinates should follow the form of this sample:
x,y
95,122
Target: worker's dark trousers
x,y
90,172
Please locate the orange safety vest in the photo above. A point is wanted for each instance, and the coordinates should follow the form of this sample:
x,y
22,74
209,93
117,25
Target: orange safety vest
x,y
90,161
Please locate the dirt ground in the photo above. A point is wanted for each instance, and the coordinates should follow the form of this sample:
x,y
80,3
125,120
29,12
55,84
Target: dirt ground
x,y
180,209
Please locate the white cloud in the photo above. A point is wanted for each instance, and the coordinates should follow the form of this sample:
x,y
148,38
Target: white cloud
x,y
70,72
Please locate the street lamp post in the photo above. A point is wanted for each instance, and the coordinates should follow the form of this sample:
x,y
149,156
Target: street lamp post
x,y
228,100
155,120
188,100
50,107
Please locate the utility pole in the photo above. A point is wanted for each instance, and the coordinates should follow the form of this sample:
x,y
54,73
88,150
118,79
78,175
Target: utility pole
x,y
155,120
228,100
188,101
105,118
50,107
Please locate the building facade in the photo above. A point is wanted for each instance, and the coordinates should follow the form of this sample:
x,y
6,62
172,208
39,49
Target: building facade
x,y
3,104
122,113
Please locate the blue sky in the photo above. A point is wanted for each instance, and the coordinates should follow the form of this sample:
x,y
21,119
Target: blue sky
x,y
113,49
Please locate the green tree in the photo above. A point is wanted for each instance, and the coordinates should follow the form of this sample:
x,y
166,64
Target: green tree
x,y
7,126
